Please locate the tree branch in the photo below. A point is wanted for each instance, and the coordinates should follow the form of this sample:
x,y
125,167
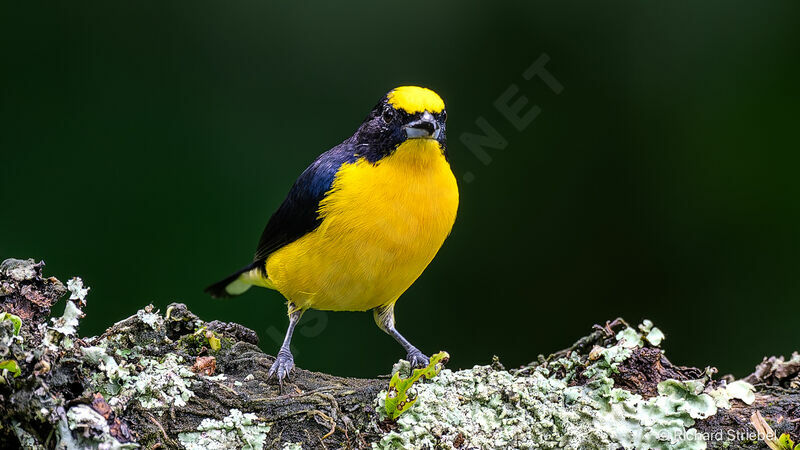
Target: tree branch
x,y
172,380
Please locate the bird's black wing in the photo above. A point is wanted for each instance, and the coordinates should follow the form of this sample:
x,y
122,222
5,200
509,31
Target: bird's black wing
x,y
299,212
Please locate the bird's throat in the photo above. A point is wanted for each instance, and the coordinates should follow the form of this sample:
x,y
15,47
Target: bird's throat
x,y
418,152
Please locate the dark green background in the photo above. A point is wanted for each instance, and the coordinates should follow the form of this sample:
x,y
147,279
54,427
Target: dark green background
x,y
145,144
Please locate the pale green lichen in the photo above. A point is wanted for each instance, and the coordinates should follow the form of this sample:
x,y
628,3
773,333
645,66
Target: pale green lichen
x,y
154,383
740,390
67,324
662,422
161,383
629,338
77,291
91,431
536,408
19,269
688,397
611,358
127,375
154,320
105,362
494,409
235,431
40,400
65,327
26,439
218,377
651,334
743,391
112,374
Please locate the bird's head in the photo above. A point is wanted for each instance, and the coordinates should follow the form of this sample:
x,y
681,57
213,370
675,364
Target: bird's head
x,y
406,112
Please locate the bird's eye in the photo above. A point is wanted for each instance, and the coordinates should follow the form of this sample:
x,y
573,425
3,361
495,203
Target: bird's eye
x,y
443,116
388,115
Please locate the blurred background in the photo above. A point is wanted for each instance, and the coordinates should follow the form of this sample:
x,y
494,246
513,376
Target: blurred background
x,y
145,145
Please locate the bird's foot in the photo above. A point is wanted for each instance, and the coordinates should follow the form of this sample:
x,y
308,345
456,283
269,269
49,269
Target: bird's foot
x,y
417,359
283,364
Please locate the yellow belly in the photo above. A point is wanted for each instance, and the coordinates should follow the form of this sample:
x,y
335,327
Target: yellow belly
x,y
382,225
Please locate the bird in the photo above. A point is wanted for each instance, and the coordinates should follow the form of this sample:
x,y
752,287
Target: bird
x,y
361,223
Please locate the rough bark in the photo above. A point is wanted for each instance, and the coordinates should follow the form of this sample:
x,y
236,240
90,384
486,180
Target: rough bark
x,y
171,406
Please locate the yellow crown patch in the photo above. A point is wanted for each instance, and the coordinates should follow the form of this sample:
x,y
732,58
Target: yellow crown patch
x,y
414,99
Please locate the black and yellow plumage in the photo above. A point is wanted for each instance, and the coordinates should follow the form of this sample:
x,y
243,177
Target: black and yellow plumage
x,y
362,222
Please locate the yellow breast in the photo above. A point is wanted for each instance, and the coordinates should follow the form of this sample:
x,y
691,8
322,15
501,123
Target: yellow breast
x,y
382,225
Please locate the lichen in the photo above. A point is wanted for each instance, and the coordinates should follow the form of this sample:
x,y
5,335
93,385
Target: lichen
x,y
545,407
235,431
486,408
651,334
67,324
18,269
65,327
662,422
77,291
154,320
629,338
160,383
105,362
154,383
90,431
26,439
740,390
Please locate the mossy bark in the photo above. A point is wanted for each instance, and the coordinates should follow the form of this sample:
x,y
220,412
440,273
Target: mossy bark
x,y
166,380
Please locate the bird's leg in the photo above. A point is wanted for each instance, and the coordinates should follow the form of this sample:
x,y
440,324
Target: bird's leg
x,y
384,317
284,362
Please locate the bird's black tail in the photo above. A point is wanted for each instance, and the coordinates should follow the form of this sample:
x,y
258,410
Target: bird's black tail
x,y
231,286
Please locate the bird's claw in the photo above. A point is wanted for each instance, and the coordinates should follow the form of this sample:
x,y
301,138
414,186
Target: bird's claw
x,y
283,364
417,359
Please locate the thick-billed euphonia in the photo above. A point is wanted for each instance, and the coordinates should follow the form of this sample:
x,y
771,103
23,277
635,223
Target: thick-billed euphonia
x,y
362,222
